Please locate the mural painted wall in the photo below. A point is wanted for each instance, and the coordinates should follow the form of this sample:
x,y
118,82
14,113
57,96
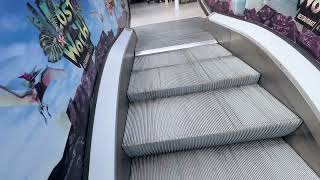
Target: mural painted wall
x,y
51,53
298,20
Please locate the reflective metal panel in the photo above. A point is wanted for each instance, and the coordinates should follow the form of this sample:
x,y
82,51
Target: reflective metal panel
x,y
122,161
171,33
306,139
107,159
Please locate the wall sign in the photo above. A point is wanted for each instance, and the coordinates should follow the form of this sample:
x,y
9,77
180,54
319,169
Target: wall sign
x,y
63,32
52,52
297,20
309,15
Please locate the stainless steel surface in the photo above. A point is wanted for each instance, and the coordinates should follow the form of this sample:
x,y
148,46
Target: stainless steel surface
x,y
207,119
258,160
122,161
278,84
162,125
198,75
107,158
171,33
174,48
305,145
181,56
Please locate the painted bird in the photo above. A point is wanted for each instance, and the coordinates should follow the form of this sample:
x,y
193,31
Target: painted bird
x,y
28,92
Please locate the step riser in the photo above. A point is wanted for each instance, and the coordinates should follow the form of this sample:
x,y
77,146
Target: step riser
x,y
191,55
206,119
201,76
258,160
249,134
224,83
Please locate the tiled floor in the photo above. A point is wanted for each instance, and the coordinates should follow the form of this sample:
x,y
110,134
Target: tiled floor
x,y
143,13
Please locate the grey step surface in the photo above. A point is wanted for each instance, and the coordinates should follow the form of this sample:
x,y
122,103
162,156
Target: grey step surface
x,y
171,33
195,76
184,56
258,160
205,119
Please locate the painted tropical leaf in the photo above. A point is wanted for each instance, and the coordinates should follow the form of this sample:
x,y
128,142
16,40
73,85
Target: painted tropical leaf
x,y
51,37
47,8
51,46
39,21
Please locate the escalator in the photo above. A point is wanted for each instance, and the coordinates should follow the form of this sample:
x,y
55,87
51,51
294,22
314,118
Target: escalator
x,y
198,111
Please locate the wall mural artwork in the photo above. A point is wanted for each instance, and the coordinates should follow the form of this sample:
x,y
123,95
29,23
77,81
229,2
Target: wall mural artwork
x,y
52,53
297,20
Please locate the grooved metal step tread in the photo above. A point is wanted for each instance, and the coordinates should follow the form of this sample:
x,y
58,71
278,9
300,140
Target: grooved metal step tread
x,y
171,33
259,160
172,39
185,56
205,119
195,77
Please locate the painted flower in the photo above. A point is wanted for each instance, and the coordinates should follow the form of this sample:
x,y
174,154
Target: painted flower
x,y
61,40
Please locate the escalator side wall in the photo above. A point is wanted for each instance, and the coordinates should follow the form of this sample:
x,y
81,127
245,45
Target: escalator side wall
x,y
306,139
122,161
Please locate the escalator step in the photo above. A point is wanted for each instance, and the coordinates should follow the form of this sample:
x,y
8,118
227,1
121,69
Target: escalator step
x,y
184,79
264,160
171,33
205,119
172,40
177,57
